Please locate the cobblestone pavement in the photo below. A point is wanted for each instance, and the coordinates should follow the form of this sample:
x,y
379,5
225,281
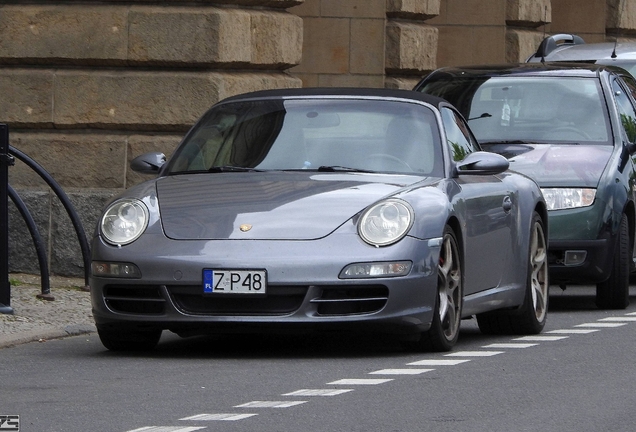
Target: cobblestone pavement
x,y
35,319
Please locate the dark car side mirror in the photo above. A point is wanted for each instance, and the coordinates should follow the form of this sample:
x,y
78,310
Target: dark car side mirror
x,y
482,163
148,163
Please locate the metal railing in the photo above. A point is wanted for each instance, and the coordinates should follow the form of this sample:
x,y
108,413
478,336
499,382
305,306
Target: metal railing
x,y
7,158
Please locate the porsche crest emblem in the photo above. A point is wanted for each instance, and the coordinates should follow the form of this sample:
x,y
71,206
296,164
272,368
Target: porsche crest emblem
x,y
245,227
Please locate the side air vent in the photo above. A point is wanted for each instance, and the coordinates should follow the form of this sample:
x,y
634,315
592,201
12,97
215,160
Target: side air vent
x,y
135,299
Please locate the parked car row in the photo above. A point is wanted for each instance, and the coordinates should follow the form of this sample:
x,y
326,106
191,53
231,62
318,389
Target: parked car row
x,y
306,210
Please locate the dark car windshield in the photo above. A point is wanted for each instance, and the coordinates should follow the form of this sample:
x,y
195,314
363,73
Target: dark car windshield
x,y
316,134
567,110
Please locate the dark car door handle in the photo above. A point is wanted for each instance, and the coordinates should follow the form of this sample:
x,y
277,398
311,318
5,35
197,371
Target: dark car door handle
x,y
507,204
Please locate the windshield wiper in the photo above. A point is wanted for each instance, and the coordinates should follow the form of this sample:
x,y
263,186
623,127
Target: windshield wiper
x,y
507,142
334,168
230,168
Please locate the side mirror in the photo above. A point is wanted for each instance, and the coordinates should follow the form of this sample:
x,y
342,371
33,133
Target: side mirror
x,y
482,163
148,163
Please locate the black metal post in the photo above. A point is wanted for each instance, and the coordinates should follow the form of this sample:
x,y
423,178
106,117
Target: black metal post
x,y
5,161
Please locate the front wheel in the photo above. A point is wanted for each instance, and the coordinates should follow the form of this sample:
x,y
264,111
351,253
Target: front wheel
x,y
614,292
125,340
444,330
530,318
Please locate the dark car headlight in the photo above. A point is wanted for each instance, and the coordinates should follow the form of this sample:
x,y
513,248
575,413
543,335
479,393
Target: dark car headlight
x,y
566,198
124,221
385,222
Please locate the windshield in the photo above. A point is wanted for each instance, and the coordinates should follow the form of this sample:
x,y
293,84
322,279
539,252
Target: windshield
x,y
564,110
313,134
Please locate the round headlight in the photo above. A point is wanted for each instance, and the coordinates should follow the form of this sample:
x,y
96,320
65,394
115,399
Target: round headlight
x,y
386,222
124,221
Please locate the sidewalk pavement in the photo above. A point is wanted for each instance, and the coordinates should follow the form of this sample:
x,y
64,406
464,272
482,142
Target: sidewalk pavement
x,y
35,319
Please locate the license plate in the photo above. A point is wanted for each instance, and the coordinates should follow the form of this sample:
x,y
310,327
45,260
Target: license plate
x,y
234,281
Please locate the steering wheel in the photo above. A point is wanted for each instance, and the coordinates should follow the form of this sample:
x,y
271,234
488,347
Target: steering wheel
x,y
393,160
568,132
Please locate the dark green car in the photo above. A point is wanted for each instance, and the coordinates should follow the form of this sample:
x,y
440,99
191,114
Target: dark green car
x,y
572,128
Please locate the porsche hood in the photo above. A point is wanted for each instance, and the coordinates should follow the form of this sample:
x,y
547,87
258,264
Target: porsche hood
x,y
267,206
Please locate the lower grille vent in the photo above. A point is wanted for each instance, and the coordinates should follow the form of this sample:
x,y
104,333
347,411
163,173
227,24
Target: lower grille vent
x,y
280,300
135,299
350,301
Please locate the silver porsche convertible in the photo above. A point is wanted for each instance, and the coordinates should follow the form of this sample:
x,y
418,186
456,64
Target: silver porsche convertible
x,y
309,210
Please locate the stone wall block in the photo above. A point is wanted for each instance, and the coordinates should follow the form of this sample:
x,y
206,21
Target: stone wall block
x,y
413,9
277,39
131,100
162,100
353,8
62,34
258,3
187,35
66,253
325,46
22,253
621,17
521,44
367,46
410,47
73,160
263,3
26,97
528,13
158,101
471,12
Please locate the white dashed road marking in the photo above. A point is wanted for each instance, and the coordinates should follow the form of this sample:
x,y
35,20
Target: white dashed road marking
x,y
224,417
601,325
270,404
400,371
573,331
474,354
541,338
356,381
439,362
318,392
623,318
168,429
510,345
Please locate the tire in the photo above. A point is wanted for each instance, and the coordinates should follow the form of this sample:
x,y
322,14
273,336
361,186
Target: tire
x,y
530,318
444,330
614,292
124,340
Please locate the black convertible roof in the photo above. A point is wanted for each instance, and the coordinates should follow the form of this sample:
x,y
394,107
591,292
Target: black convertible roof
x,y
319,92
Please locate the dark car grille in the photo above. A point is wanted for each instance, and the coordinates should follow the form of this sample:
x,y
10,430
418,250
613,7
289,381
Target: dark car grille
x,y
135,299
280,300
348,300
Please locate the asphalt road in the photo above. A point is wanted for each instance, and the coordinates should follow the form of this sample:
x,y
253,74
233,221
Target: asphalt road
x,y
578,376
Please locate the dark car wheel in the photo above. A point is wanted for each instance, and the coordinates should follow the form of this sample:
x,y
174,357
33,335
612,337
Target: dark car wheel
x,y
531,317
124,340
444,330
614,292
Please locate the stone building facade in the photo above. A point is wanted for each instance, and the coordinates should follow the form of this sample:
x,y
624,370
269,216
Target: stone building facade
x,y
87,85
